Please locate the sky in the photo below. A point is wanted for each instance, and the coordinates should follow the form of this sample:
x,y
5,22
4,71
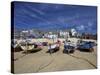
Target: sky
x,y
46,16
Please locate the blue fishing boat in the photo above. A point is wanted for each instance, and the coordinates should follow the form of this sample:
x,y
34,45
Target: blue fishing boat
x,y
86,46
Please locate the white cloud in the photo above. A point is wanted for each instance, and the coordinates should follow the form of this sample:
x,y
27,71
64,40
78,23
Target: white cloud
x,y
81,27
90,24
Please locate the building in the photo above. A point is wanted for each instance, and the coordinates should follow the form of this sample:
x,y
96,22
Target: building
x,y
73,33
64,34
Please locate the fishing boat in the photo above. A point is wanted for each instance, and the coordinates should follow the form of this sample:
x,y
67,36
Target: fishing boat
x,y
86,46
30,47
68,47
15,46
53,48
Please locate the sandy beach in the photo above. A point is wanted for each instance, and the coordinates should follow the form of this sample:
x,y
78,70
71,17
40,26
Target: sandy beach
x,y
42,61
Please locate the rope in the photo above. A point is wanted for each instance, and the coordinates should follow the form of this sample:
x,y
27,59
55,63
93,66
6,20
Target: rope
x,y
84,60
42,67
20,57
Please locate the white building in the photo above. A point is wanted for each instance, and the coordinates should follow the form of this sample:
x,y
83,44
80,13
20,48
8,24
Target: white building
x,y
73,32
64,34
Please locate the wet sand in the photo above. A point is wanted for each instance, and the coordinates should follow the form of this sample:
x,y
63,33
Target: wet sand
x,y
44,62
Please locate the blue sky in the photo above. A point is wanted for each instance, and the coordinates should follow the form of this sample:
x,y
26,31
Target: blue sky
x,y
55,16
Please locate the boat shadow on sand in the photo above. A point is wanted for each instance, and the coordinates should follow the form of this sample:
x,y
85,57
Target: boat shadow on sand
x,y
32,51
53,51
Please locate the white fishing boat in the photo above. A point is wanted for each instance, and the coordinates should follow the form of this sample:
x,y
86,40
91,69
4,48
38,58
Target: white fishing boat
x,y
14,43
53,48
29,47
15,46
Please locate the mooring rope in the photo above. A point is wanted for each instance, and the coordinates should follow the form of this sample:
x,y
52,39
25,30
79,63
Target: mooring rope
x,y
20,57
84,60
42,67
